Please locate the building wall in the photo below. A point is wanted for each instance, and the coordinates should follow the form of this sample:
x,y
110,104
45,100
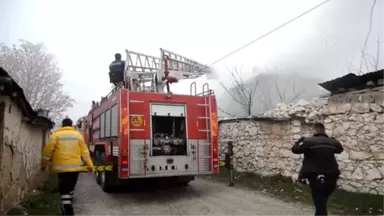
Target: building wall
x,y
355,119
20,155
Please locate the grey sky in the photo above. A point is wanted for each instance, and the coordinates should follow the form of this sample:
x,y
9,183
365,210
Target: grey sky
x,y
84,35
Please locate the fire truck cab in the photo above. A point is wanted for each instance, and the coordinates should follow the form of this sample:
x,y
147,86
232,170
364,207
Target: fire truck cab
x,y
143,130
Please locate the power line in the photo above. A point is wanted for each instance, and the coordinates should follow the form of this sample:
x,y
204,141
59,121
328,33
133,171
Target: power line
x,y
268,33
264,35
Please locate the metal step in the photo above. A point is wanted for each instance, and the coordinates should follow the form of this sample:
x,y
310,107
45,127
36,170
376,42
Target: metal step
x,y
136,115
140,159
203,117
136,130
202,105
135,101
204,130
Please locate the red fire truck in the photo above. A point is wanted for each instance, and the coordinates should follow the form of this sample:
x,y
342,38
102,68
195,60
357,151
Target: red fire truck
x,y
143,130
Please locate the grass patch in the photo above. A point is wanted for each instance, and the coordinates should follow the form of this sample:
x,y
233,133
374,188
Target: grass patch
x,y
44,202
340,202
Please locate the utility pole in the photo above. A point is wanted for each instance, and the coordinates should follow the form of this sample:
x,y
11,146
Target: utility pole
x,y
228,162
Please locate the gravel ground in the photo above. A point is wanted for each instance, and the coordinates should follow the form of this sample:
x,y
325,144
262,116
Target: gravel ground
x,y
201,197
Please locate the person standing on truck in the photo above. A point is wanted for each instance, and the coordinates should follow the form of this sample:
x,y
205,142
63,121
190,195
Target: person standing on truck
x,y
116,71
67,153
319,165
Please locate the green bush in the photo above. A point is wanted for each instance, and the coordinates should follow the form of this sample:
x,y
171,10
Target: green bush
x,y
46,202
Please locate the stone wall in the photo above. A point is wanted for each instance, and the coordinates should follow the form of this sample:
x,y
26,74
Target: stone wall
x,y
20,154
263,144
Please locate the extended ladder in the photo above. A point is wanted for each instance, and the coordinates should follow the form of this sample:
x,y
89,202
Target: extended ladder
x,y
140,71
146,73
182,67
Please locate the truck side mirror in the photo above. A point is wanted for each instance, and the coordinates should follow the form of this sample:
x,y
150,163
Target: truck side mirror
x,y
79,124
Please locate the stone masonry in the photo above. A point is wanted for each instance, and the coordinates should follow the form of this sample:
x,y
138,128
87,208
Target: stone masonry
x,y
263,144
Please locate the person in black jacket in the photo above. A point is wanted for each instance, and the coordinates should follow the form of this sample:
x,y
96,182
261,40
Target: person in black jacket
x,y
116,70
319,165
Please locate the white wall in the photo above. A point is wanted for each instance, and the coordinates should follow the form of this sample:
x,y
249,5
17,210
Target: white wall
x,y
19,156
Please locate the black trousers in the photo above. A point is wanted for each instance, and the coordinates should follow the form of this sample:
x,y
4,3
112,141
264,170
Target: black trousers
x,y
322,188
67,183
116,77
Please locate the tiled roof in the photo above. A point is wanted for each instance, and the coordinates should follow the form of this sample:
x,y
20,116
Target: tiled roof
x,y
353,81
12,89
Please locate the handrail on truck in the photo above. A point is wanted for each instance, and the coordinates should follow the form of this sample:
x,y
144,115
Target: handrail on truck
x,y
191,87
205,85
206,90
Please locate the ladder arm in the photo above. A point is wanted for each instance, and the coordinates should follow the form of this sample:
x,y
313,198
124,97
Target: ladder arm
x,y
182,67
140,69
148,73
141,63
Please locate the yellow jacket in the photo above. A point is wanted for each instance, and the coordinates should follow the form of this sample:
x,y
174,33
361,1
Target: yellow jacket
x,y
67,151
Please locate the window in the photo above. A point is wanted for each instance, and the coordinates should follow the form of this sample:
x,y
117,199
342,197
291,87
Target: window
x,y
108,123
114,120
102,125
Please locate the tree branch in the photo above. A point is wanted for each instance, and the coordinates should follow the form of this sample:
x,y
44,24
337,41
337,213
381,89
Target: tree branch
x,y
240,93
367,37
37,73
377,55
226,112
296,94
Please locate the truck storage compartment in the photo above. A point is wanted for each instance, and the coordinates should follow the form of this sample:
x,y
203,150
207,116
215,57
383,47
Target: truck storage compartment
x,y
169,135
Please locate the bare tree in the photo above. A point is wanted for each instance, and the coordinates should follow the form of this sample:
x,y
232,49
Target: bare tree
x,y
37,72
377,54
290,86
241,93
226,112
370,62
266,99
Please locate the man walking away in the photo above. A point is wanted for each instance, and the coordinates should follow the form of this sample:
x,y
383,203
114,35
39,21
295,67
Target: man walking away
x,y
319,165
116,70
66,151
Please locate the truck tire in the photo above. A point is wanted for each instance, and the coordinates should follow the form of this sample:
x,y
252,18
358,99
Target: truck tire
x,y
185,180
97,162
104,182
97,177
183,183
104,177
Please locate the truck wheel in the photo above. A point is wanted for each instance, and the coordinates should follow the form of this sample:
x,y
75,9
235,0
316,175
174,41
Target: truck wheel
x,y
184,181
104,183
97,177
97,173
104,177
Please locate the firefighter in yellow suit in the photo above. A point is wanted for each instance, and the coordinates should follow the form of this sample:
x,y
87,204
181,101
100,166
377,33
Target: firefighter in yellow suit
x,y
67,153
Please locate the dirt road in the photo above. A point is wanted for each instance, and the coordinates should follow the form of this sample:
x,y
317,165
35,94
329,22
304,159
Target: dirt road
x,y
201,197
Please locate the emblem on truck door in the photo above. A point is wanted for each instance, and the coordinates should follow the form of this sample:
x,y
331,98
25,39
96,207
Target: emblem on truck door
x,y
137,121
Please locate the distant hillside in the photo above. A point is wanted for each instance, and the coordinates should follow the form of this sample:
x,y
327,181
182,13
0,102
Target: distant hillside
x,y
271,90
